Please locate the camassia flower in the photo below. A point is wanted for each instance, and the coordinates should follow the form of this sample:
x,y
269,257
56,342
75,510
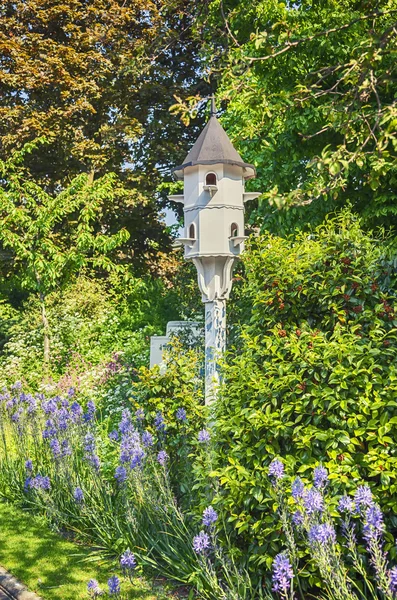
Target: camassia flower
x,y
201,542
204,436
276,469
93,588
128,562
209,516
114,585
282,573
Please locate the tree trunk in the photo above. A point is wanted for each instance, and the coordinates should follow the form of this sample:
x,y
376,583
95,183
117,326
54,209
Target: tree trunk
x,y
46,331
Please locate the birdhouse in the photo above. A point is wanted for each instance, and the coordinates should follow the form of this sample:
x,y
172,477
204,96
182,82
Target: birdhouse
x,y
214,176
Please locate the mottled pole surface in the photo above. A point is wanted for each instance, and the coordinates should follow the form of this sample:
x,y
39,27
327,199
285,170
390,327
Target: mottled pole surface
x,y
215,344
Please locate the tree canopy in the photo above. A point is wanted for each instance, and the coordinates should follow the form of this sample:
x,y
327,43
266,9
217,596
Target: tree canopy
x,y
310,92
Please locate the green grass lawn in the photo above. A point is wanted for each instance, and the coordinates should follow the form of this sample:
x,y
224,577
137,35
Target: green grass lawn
x,y
51,566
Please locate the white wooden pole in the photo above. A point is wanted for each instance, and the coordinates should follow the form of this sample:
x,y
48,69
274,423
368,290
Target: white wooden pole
x,y
215,344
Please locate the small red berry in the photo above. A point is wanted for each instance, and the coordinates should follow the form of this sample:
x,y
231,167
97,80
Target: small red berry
x,y
282,333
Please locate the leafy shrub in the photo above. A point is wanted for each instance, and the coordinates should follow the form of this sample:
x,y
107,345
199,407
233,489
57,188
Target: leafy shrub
x,y
177,395
88,323
314,377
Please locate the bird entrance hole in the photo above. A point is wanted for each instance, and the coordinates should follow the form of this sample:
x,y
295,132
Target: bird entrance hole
x,y
192,232
234,230
210,179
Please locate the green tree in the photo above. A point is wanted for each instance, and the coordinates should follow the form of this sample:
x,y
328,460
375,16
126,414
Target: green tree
x,y
48,239
96,78
310,89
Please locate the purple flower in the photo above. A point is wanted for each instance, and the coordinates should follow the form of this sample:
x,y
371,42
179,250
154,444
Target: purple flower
x,y
55,448
125,425
127,561
93,588
297,488
201,542
114,435
120,474
50,429
320,476
63,418
363,497
345,504
93,459
65,448
90,412
297,518
40,483
313,501
276,469
76,412
89,443
204,436
209,516
50,406
282,573
393,580
147,439
78,495
162,457
181,415
139,414
71,392
114,585
16,416
159,421
28,484
373,523
29,465
322,534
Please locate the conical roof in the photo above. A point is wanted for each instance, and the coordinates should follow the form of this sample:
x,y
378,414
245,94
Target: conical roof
x,y
213,146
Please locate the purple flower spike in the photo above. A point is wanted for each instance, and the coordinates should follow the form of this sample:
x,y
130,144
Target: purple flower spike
x,y
201,542
276,469
297,488
127,561
159,421
78,495
209,516
373,524
120,474
313,501
93,588
140,414
320,477
147,439
29,465
114,585
114,435
204,436
297,518
323,535
282,573
363,497
345,504
162,457
181,415
393,580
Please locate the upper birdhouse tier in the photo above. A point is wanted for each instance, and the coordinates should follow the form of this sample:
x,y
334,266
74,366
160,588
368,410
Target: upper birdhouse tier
x,y
214,147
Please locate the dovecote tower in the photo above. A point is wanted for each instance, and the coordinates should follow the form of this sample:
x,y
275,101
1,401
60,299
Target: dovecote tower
x,y
214,176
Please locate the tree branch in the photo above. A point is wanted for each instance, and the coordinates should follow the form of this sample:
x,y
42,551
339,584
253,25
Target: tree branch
x,y
325,32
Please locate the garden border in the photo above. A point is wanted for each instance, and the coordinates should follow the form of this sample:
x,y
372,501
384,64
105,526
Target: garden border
x,y
13,588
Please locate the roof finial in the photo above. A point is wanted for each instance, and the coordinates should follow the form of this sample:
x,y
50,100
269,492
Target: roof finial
x,y
213,107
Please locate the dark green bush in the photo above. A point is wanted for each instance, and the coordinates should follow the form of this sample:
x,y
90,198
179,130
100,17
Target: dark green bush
x,y
314,378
